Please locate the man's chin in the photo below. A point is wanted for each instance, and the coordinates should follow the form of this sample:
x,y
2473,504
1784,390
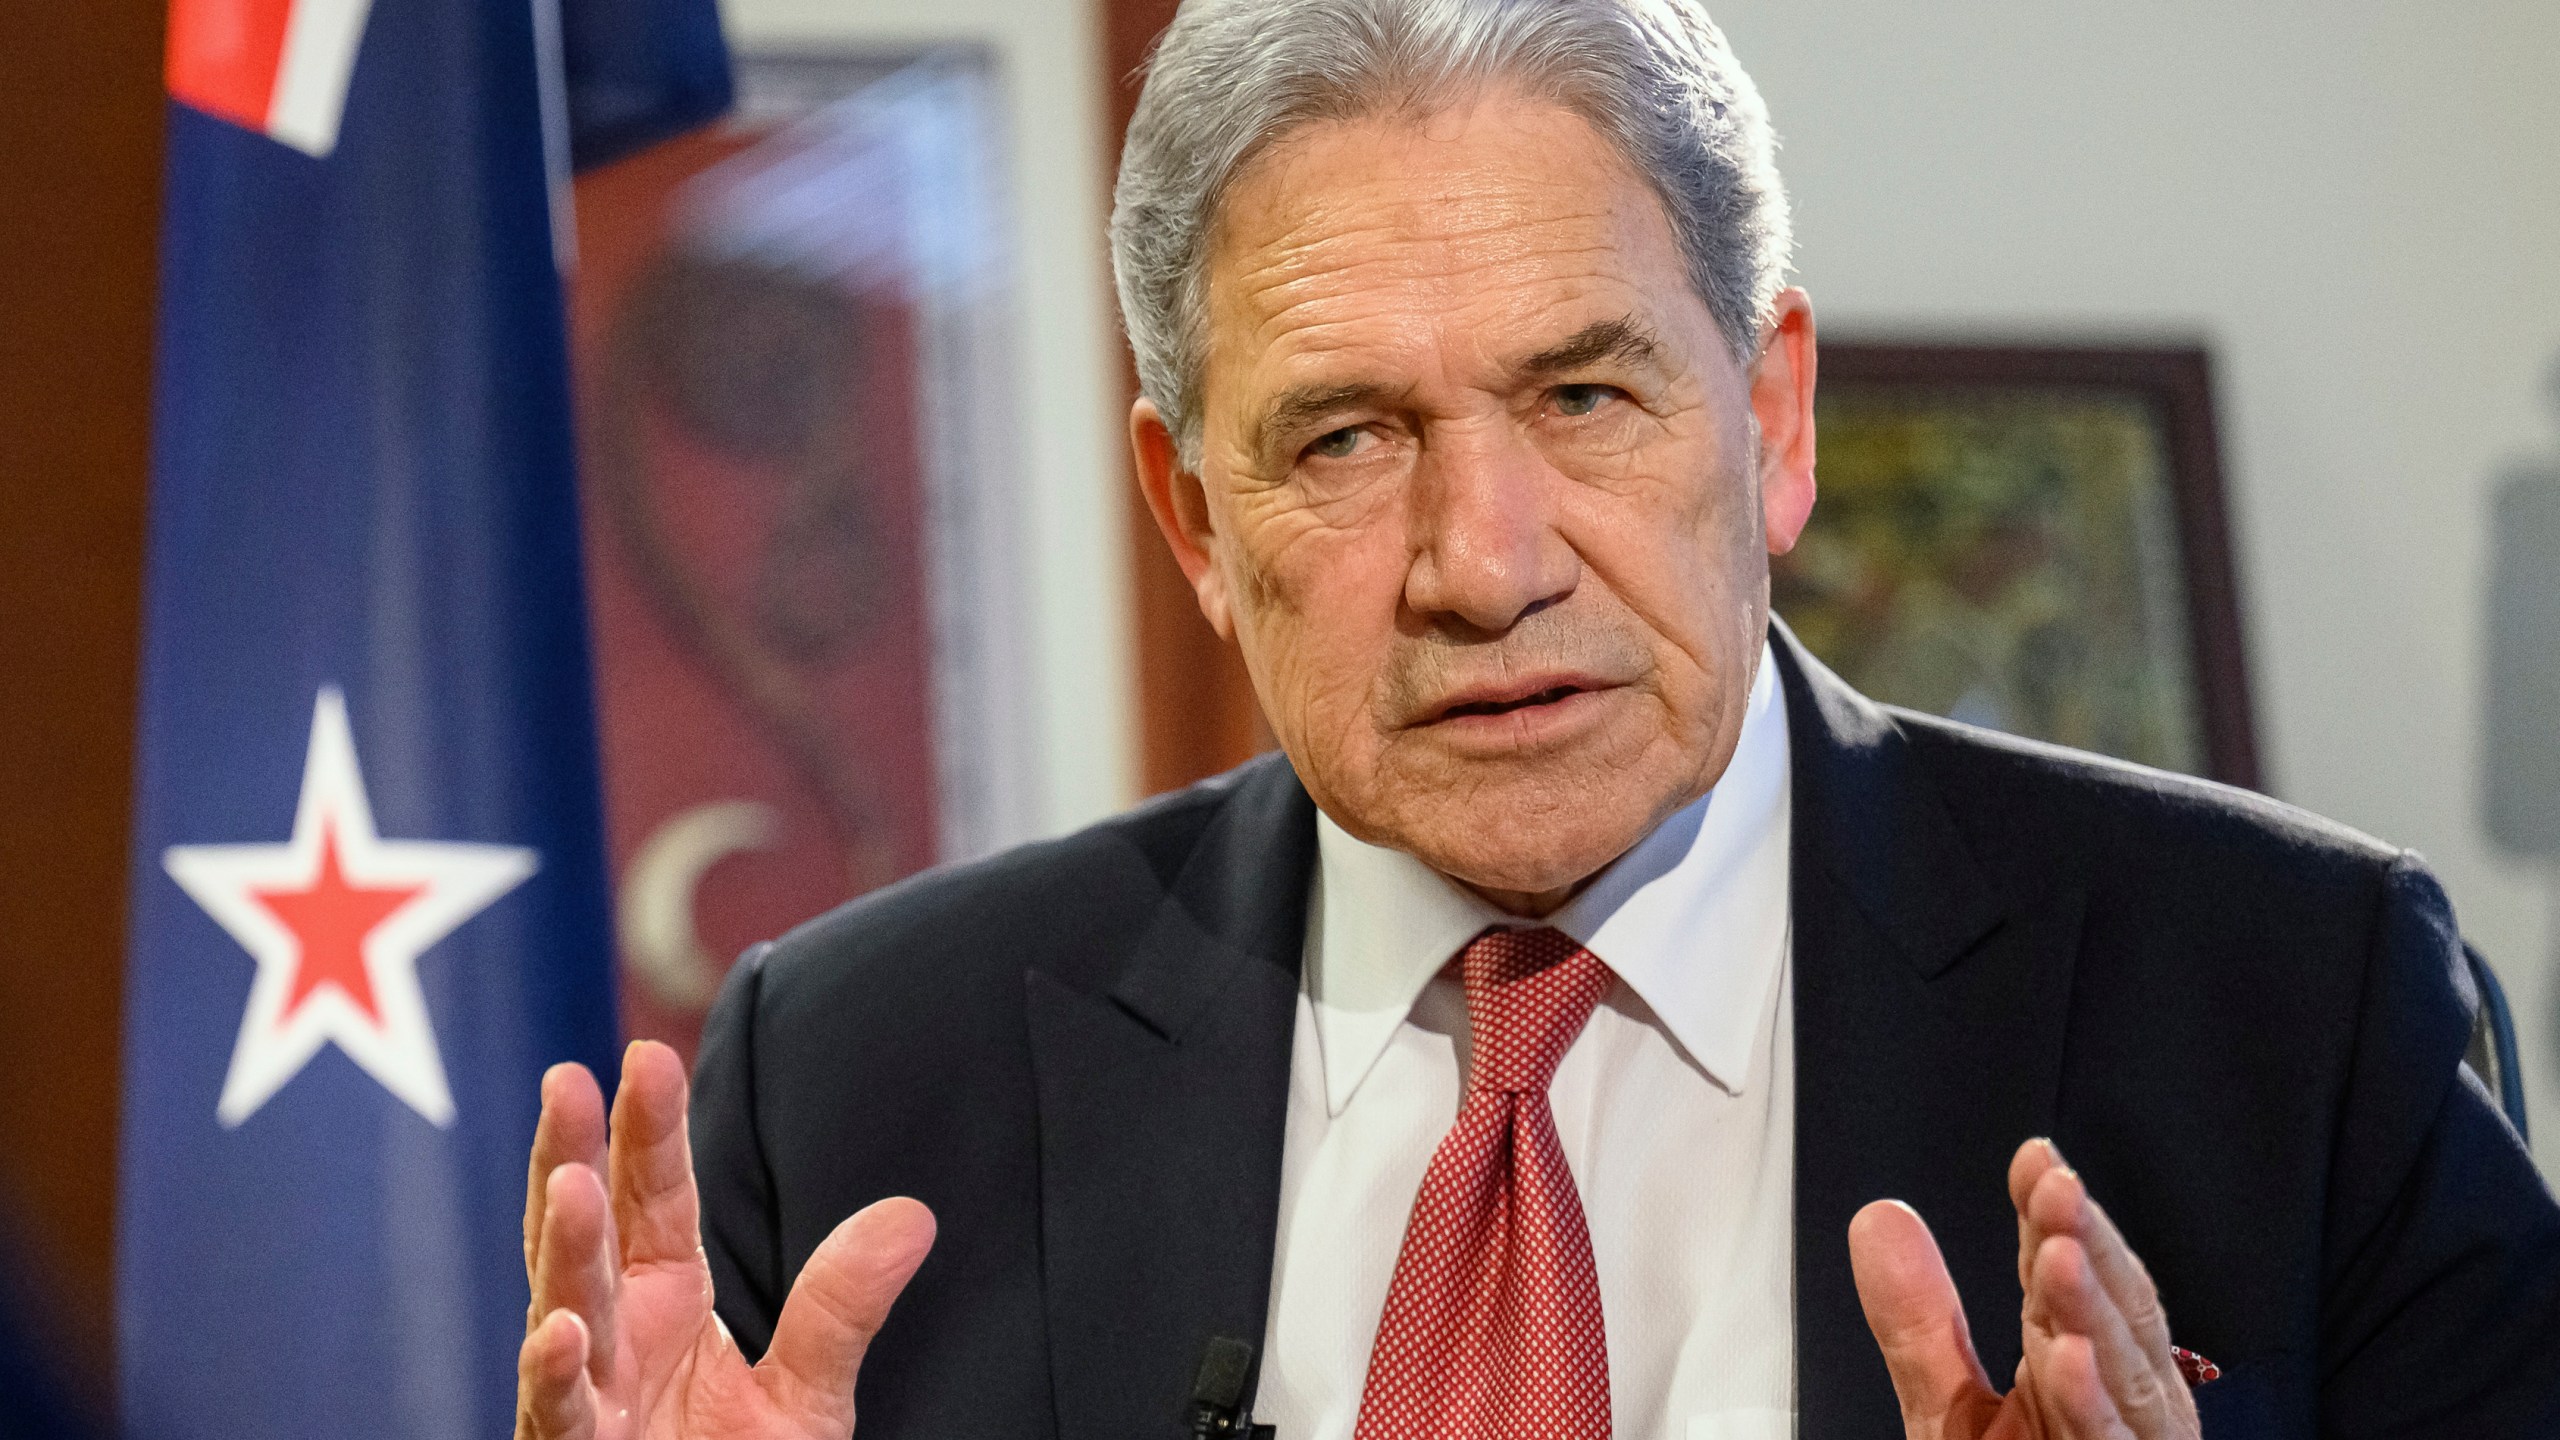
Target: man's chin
x,y
1535,811
1535,836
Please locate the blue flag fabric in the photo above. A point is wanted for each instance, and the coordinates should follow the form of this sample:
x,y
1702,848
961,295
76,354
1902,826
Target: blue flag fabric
x,y
639,71
369,901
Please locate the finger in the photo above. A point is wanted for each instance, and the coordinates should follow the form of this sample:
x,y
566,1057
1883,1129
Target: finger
x,y
553,1399
2071,1398
2142,1384
2034,1160
579,1272
841,1299
651,1163
1918,1320
2061,1205
571,1131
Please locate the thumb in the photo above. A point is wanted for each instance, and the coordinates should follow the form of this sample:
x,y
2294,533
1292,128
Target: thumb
x,y
836,1306
1919,1323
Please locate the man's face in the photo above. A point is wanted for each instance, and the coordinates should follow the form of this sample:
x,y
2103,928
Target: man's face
x,y
1482,495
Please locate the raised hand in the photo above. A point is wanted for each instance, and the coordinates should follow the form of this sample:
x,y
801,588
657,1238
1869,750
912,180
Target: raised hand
x,y
2097,1363
620,1342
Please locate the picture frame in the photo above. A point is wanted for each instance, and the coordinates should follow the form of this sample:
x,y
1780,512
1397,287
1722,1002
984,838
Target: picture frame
x,y
795,342
2034,537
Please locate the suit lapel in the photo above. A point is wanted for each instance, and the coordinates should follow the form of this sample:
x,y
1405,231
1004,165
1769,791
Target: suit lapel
x,y
1930,1000
1162,1108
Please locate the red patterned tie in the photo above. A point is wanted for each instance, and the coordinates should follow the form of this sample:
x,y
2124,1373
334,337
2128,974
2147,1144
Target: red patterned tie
x,y
1492,1329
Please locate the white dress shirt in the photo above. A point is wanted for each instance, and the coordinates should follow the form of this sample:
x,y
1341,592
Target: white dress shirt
x,y
1676,1106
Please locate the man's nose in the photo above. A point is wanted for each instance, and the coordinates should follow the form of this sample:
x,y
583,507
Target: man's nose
x,y
1483,527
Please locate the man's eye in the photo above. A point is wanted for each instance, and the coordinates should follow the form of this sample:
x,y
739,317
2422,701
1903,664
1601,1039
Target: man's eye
x,y
1582,399
1336,444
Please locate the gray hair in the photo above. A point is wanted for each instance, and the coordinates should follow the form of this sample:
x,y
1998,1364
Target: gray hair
x,y
1232,77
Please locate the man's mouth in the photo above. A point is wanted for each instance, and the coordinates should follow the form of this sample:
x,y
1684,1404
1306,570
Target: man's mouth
x,y
1513,699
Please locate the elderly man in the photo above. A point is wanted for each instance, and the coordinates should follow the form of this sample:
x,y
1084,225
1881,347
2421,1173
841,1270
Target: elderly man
x,y
1546,1043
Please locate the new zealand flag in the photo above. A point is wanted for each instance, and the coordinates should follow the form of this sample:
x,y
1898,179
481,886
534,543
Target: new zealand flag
x,y
369,903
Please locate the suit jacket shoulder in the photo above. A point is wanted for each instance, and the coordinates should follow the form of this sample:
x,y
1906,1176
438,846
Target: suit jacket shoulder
x,y
2042,808
1057,904
895,1046
2256,905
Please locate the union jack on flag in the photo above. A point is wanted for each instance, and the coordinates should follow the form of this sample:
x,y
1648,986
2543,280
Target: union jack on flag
x,y
279,67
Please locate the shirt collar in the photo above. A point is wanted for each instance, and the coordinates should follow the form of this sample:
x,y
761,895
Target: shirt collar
x,y
1693,919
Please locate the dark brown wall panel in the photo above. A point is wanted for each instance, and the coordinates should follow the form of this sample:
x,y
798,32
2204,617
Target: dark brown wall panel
x,y
1197,714
79,206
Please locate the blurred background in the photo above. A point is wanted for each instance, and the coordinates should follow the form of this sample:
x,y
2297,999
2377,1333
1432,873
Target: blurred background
x,y
2192,392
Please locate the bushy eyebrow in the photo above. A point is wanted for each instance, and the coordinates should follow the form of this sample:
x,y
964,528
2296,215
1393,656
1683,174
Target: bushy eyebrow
x,y
1621,339
1301,405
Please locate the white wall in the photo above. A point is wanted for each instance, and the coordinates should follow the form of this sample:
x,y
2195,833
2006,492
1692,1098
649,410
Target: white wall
x,y
2356,203
1070,507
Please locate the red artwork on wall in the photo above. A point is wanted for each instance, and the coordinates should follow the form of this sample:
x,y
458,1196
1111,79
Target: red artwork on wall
x,y
759,548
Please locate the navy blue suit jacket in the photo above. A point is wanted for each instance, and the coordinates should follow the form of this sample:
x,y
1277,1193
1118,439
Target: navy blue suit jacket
x,y
2243,1025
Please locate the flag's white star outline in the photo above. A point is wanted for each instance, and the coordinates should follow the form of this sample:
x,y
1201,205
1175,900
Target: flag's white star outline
x,y
453,882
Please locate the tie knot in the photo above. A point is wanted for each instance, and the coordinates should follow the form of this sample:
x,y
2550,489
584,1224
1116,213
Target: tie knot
x,y
1529,992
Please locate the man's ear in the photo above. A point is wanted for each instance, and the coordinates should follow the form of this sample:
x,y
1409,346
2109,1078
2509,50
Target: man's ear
x,y
1782,400
1181,507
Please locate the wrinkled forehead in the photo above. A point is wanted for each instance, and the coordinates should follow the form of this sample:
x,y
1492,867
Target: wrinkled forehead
x,y
1476,227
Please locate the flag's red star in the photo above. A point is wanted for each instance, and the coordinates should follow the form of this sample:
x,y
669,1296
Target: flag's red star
x,y
336,918
330,919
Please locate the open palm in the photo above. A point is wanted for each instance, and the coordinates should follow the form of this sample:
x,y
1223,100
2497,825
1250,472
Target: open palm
x,y
620,1341
2098,1362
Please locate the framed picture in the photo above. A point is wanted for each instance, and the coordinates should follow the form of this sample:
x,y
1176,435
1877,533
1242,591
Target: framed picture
x,y
794,348
2031,539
